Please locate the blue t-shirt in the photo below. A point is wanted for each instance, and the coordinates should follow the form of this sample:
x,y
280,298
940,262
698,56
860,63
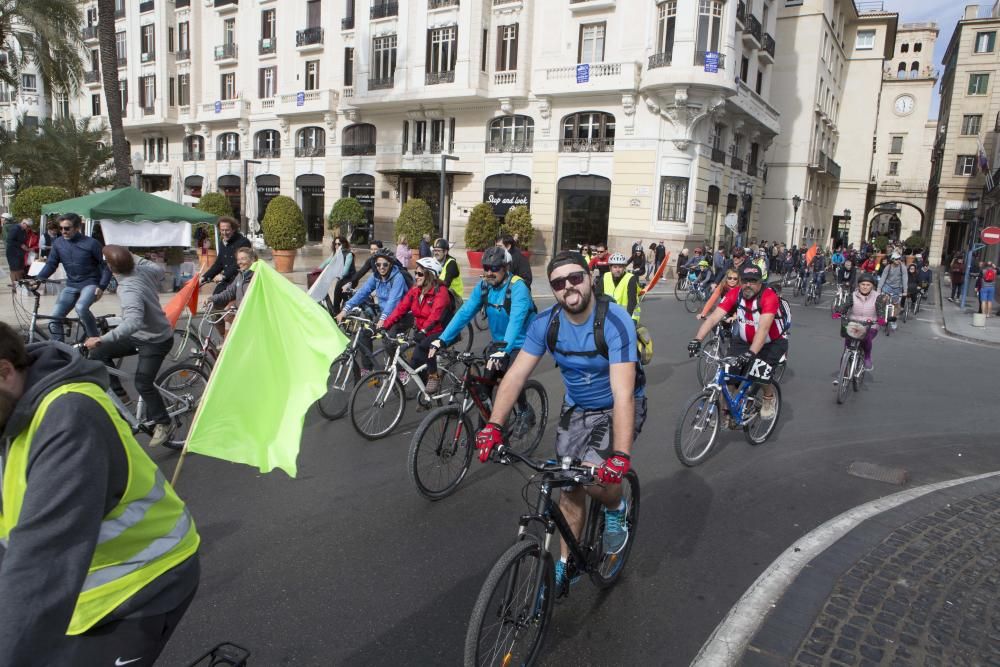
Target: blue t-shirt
x,y
587,379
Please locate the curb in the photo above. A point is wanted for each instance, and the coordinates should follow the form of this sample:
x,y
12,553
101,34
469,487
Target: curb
x,y
944,322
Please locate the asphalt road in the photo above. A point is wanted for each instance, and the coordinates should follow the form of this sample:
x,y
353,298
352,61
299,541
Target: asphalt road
x,y
347,565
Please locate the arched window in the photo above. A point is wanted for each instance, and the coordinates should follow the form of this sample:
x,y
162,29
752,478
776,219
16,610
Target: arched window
x,y
310,142
914,70
267,143
588,131
228,147
511,134
901,71
194,148
358,140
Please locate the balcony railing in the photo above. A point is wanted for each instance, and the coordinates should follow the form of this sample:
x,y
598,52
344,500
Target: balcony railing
x,y
438,4
119,13
225,51
309,36
587,145
310,151
227,154
381,10
736,163
833,168
122,61
509,146
350,150
147,57
437,147
418,148
751,169
90,32
381,84
432,78
754,28
265,152
347,23
92,77
194,156
699,58
664,59
148,110
505,78
768,43
146,6
718,155
741,12
183,54
267,45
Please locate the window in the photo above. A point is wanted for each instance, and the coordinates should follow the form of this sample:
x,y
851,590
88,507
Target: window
x,y
406,134
228,146
170,40
917,47
348,66
267,144
194,147
914,70
314,14
483,50
227,86
507,48
229,32
894,168
441,51
384,58
971,124
267,82
29,83
358,140
437,135
744,68
91,16
419,137
709,25
183,89
451,135
985,42
591,43
312,75
865,40
267,24
666,26
121,47
965,165
184,39
760,83
123,92
673,198
896,145
147,42
901,71
511,134
147,91
588,131
170,92
978,83
95,105
905,48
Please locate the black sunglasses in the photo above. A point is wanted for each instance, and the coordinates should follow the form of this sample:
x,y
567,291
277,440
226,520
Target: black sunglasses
x,y
576,278
65,229
382,265
418,274
492,268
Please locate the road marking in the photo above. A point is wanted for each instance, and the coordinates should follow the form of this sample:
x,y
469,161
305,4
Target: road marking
x,y
730,639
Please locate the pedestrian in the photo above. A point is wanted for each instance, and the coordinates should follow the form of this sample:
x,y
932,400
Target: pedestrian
x,y
660,254
425,247
988,289
15,248
957,270
31,244
682,261
48,238
403,253
343,268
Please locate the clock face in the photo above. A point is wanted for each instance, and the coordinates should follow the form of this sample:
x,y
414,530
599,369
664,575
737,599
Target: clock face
x,y
904,104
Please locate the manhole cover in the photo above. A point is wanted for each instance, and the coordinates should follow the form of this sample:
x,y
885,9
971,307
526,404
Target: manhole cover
x,y
879,473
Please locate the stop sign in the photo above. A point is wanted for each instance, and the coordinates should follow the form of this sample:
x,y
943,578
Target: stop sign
x,y
990,235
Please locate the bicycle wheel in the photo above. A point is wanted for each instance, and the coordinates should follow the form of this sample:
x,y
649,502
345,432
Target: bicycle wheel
x,y
512,610
609,567
887,329
692,302
779,371
377,405
481,321
465,339
916,305
187,383
702,416
844,375
708,369
529,418
185,342
906,312
344,373
859,372
759,430
441,452
681,288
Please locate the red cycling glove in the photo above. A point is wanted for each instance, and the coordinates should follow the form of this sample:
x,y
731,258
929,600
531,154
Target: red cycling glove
x,y
488,437
614,468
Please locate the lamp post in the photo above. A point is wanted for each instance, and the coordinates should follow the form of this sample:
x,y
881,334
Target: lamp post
x,y
138,162
441,194
796,202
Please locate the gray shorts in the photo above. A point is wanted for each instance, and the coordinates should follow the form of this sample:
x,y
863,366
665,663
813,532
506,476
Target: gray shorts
x,y
587,434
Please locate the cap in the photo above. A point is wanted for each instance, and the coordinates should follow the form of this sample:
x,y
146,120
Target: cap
x,y
750,272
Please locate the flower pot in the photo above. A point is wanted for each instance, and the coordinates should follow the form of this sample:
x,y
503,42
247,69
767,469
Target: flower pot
x,y
284,260
207,259
475,259
909,259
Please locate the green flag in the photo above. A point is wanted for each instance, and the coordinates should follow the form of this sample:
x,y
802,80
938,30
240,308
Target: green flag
x,y
273,366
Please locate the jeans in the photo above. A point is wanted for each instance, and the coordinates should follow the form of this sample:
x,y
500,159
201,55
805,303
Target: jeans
x,y
151,356
956,288
83,298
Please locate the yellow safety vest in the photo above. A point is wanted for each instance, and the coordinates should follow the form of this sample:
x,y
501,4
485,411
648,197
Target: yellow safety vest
x,y
147,533
456,283
619,292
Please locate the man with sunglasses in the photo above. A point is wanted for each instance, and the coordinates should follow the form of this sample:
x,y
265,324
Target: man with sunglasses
x,y
87,275
758,333
602,389
388,286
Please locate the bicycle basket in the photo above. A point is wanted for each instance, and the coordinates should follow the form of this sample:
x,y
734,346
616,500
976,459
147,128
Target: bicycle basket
x,y
856,330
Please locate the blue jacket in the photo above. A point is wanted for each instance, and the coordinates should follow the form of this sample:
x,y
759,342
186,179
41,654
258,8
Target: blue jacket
x,y
82,260
504,328
389,291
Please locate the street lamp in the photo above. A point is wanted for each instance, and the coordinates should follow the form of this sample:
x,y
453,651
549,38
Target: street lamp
x,y
796,202
444,170
138,162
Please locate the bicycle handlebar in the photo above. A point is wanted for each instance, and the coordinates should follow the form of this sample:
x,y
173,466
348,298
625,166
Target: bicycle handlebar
x,y
580,473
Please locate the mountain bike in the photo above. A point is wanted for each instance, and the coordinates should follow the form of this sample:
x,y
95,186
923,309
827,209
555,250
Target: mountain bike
x,y
30,322
919,298
716,346
696,296
812,293
514,606
683,284
441,448
698,427
852,366
800,284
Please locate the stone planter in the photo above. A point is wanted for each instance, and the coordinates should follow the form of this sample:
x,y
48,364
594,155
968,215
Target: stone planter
x,y
284,260
475,258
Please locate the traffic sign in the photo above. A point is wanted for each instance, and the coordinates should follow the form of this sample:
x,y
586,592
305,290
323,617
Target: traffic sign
x,y
583,73
990,235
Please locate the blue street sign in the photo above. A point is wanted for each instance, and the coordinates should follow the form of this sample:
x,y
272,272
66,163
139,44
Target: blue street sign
x,y
218,106
712,61
300,99
582,73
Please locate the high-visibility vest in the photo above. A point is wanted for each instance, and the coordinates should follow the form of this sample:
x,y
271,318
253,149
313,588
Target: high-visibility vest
x,y
456,283
147,533
619,292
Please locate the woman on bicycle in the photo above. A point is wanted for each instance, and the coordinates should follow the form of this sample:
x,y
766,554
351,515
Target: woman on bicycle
x,y
864,305
911,286
731,281
424,306
245,257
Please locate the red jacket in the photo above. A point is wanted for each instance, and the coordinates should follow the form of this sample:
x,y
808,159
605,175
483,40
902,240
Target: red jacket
x,y
427,309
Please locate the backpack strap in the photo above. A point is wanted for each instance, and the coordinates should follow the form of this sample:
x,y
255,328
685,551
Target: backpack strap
x,y
600,342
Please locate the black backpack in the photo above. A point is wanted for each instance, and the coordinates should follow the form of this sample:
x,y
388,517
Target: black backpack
x,y
484,290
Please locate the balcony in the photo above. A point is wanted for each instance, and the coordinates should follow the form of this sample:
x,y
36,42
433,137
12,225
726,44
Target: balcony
x,y
194,156
741,14
148,57
267,46
736,163
381,84
352,150
266,152
224,110
505,78
718,155
766,52
382,10
660,60
226,6
347,23
588,5
441,4
183,54
307,102
752,32
820,164
833,168
310,151
418,148
92,77
309,38
434,78
597,145
522,146
90,33
146,6
699,59
227,154
347,92
225,52
122,61
586,78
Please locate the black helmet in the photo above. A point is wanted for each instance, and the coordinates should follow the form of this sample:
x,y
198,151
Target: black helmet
x,y
442,244
384,252
867,277
495,255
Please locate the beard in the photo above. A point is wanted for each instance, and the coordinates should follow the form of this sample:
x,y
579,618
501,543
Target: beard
x,y
574,301
747,293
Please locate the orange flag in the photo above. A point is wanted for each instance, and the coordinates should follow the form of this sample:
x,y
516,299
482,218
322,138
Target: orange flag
x,y
656,276
187,297
810,253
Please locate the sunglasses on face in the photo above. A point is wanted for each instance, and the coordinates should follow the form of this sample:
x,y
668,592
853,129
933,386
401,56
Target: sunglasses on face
x,y
418,274
381,265
492,268
336,243
65,229
732,279
575,279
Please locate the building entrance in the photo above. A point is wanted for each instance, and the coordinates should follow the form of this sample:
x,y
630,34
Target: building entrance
x,y
584,207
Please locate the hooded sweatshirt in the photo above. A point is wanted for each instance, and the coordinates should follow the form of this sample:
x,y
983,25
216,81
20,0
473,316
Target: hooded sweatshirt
x,y
77,472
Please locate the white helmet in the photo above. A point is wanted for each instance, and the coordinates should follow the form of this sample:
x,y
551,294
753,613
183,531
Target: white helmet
x,y
430,264
618,258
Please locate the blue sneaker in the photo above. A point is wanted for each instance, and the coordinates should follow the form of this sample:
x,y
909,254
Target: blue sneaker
x,y
615,530
561,585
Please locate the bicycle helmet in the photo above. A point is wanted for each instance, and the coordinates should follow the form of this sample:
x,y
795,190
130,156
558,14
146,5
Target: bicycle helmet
x,y
430,264
618,258
496,255
867,278
896,257
442,244
384,252
703,264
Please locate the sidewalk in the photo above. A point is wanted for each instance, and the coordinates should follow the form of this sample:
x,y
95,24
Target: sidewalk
x,y
959,323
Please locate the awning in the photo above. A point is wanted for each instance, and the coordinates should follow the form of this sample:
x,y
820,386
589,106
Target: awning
x,y
422,172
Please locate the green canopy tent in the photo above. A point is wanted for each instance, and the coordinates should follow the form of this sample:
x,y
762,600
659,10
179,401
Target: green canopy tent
x,y
130,217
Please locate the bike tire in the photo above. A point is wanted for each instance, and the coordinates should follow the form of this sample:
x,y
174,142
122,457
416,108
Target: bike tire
x,y
692,302
606,572
906,313
887,328
844,375
441,452
538,401
510,596
377,405
188,381
859,376
707,370
916,306
760,438
344,374
703,412
681,289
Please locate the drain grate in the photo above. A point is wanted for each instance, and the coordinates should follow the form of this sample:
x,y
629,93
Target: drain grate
x,y
879,473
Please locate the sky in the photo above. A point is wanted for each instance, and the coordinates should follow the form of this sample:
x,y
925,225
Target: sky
x,y
946,13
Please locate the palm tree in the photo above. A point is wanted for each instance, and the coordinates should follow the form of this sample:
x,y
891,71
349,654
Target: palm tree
x,y
65,152
112,92
46,34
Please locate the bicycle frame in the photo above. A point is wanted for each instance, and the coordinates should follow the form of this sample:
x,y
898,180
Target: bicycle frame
x,y
723,377
551,518
397,362
36,318
137,420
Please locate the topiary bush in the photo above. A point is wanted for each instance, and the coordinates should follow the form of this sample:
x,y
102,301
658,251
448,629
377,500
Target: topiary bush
x,y
346,213
481,232
415,220
517,223
881,242
28,202
915,242
283,225
215,203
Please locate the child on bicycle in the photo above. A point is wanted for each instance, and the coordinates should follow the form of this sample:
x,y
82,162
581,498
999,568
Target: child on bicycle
x,y
705,275
863,305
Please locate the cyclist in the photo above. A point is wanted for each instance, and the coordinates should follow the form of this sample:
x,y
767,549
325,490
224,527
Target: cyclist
x,y
637,261
519,264
600,259
225,266
731,281
620,285
449,276
245,257
837,258
924,277
761,263
388,286
704,281
846,274
911,285
603,386
759,334
893,281
425,307
818,266
864,305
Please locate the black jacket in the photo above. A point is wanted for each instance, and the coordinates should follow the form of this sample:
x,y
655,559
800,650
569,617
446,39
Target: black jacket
x,y
519,265
225,261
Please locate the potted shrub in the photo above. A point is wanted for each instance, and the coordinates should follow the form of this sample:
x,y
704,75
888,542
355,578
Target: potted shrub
x,y
28,202
347,214
517,223
215,203
480,233
880,243
284,231
914,243
415,220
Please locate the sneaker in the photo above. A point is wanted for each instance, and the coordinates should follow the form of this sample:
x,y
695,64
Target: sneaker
x,y
615,530
768,408
161,434
433,383
869,366
524,421
561,584
404,377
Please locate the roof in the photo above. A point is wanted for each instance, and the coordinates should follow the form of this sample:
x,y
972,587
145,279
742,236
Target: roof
x,y
128,205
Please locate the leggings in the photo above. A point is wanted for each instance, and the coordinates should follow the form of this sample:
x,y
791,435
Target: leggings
x,y
866,343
